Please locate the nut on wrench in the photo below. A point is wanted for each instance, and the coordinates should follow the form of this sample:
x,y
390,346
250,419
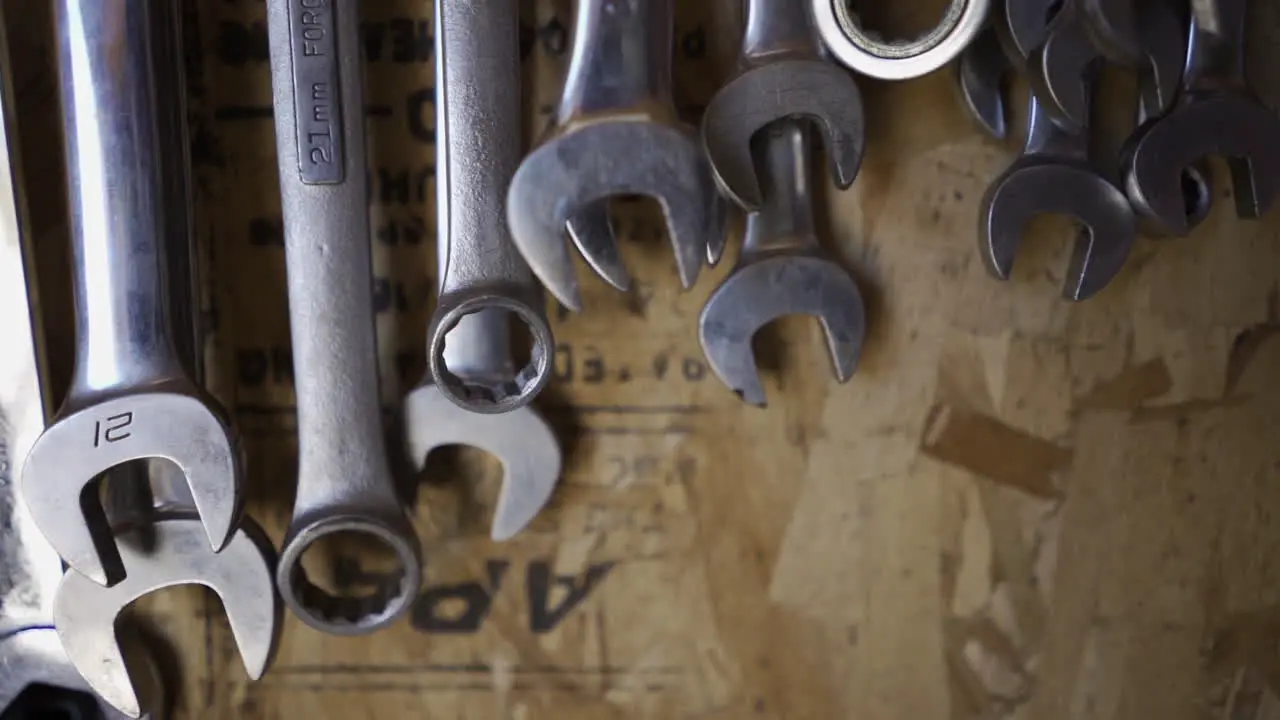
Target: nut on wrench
x,y
867,53
617,133
344,477
1062,69
782,271
242,575
781,74
479,146
130,396
1053,176
1216,114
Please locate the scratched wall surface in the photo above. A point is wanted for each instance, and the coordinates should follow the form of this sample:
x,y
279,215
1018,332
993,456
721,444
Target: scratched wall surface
x,y
1018,508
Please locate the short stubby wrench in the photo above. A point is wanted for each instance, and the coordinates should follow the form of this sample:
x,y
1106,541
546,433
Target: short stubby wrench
x,y
344,476
242,575
30,653
617,133
130,396
866,53
981,72
1053,176
1217,114
1062,69
478,141
782,271
781,74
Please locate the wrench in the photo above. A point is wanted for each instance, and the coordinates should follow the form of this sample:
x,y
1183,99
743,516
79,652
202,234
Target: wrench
x,y
782,271
617,134
781,74
30,653
1053,176
1217,114
478,130
981,72
1062,69
242,575
478,141
344,477
866,53
130,396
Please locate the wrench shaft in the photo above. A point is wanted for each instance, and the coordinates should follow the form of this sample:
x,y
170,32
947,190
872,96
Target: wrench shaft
x,y
785,221
777,28
1215,55
1044,136
622,58
114,133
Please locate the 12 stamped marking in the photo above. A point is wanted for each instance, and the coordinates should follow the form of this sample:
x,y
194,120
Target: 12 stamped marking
x,y
317,96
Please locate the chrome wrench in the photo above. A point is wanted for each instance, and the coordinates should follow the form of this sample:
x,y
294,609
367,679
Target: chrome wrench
x,y
130,396
344,478
617,133
478,133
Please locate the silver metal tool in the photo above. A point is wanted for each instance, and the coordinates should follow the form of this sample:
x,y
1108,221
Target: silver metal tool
x,y
782,271
479,146
344,479
981,72
616,133
1054,176
781,74
242,575
31,655
867,53
478,130
1062,69
1216,114
130,397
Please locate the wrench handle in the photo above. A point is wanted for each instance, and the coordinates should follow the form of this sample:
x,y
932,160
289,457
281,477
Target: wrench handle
x,y
117,140
478,143
783,152
1215,55
316,66
777,28
622,59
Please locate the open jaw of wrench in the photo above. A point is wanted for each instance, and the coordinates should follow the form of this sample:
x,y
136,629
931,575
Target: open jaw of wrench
x,y
35,674
1062,69
782,271
130,397
617,133
344,477
478,143
242,575
1216,115
981,72
1053,176
867,53
781,74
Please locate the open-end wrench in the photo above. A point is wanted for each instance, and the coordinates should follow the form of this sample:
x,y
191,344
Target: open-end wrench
x,y
868,53
1216,114
1054,176
782,271
479,138
30,653
130,396
478,141
242,575
1062,69
344,477
981,72
781,74
617,133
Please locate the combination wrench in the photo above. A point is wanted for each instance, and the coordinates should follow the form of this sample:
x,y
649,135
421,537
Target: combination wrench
x,y
1054,176
344,477
31,656
616,133
782,271
781,74
130,396
1216,114
866,52
473,395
